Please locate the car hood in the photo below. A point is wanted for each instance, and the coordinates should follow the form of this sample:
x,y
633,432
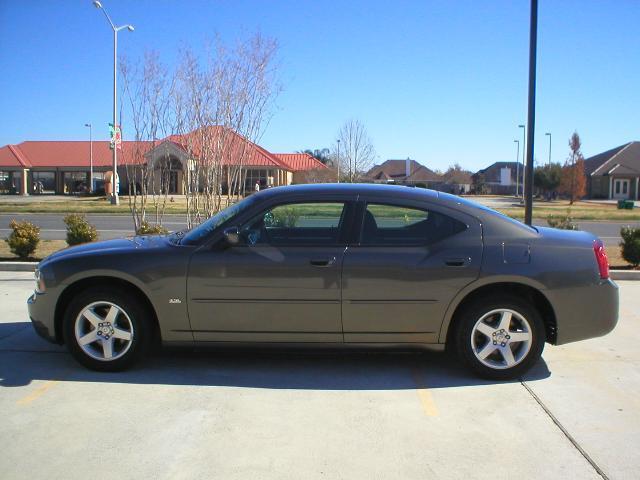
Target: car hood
x,y
118,245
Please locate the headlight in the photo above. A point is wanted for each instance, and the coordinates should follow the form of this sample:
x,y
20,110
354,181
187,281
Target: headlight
x,y
40,287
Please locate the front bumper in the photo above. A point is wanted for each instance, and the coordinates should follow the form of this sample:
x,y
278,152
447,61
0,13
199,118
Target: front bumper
x,y
585,312
42,315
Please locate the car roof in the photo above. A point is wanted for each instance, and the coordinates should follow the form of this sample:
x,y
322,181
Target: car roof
x,y
352,189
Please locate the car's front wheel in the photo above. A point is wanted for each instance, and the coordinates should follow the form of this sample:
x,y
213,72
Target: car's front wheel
x,y
500,337
106,329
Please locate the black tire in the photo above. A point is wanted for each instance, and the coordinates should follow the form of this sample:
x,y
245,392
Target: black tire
x,y
135,316
471,314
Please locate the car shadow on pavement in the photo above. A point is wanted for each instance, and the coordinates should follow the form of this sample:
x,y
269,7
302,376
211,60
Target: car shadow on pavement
x,y
24,357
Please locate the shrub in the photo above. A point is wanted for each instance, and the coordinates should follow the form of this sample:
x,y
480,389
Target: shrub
x,y
148,229
630,245
284,217
24,239
79,230
563,222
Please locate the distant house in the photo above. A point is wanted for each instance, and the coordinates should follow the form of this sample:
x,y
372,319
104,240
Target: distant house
x,y
614,173
500,178
404,172
456,180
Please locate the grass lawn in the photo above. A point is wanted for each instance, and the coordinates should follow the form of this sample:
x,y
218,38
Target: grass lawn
x,y
45,247
578,211
85,205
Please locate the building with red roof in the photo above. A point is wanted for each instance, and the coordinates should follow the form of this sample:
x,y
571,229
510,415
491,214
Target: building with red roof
x,y
64,166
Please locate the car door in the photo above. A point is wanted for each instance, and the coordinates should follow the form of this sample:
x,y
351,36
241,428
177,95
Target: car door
x,y
280,284
409,262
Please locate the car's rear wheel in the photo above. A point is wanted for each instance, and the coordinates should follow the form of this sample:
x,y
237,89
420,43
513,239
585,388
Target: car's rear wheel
x,y
499,337
106,330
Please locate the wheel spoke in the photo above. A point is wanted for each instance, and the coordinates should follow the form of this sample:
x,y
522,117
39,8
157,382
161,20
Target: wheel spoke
x,y
487,350
92,316
507,354
90,337
505,321
485,329
121,334
112,315
520,337
107,348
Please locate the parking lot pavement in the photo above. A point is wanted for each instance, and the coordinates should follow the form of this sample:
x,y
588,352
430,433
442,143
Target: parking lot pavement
x,y
326,415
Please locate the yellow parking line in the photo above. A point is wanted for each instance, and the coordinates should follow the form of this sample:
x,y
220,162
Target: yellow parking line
x,y
424,395
38,392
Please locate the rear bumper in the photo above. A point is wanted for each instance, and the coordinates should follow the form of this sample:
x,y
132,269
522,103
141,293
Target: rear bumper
x,y
41,314
585,312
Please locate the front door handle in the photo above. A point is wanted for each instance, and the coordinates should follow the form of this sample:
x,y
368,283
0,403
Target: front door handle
x,y
457,262
325,262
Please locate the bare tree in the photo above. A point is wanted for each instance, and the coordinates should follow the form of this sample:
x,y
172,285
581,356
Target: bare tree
x,y
356,151
220,105
573,181
147,86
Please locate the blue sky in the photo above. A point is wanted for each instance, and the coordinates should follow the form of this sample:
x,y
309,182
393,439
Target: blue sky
x,y
439,81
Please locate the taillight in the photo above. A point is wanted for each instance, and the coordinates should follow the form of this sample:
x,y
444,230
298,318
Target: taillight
x,y
601,258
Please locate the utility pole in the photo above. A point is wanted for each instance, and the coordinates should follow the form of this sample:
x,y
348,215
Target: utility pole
x,y
533,41
517,165
90,157
549,135
524,144
338,161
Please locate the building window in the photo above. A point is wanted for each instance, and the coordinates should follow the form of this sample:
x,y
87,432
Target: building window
x,y
44,182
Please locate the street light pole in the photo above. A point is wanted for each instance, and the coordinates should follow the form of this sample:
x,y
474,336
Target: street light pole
x,y
517,164
114,190
338,161
549,135
90,157
531,115
524,144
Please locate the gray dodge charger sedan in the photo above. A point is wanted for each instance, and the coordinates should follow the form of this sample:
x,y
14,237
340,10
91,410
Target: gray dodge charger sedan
x,y
333,265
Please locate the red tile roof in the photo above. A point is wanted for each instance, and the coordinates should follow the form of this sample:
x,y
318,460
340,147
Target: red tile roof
x,y
69,154
63,154
236,147
296,162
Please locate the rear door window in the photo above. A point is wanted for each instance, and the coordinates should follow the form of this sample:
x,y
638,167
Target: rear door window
x,y
397,225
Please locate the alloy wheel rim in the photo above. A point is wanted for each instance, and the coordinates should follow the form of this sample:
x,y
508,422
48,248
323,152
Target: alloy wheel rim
x,y
501,339
104,331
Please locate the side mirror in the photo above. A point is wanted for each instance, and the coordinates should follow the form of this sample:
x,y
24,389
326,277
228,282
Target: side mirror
x,y
232,236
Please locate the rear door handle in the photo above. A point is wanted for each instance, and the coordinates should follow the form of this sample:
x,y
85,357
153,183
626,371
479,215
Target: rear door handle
x,y
325,262
457,262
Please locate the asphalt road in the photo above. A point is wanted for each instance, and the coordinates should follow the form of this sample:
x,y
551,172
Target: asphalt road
x,y
114,226
314,416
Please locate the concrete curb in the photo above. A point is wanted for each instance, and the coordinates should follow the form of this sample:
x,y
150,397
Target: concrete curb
x,y
30,267
17,266
625,274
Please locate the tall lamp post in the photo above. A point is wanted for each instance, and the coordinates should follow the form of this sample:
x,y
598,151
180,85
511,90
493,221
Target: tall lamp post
x,y
517,164
549,135
531,115
338,161
524,143
90,157
114,189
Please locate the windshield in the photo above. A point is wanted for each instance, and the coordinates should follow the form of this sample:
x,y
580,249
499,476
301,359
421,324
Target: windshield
x,y
205,228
